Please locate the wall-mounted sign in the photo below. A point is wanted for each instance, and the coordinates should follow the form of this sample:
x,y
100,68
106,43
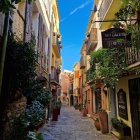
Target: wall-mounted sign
x,y
122,104
114,38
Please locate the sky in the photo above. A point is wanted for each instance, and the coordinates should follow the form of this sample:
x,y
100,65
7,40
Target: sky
x,y
74,16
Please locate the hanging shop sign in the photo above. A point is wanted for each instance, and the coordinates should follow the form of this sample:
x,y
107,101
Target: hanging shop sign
x,y
122,104
114,38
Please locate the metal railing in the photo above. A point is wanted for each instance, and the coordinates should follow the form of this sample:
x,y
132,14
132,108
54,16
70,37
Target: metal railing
x,y
56,42
54,75
132,55
83,62
92,40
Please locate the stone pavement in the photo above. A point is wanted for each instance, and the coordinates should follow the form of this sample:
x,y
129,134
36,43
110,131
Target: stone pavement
x,y
73,126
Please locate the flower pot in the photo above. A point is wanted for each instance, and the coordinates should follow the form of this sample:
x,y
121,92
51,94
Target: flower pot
x,y
103,117
55,115
85,112
97,125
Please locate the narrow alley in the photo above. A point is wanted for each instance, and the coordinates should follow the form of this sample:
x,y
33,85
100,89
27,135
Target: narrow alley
x,y
78,56
73,126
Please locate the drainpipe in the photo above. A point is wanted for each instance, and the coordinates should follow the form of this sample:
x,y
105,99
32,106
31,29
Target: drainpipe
x,y
3,48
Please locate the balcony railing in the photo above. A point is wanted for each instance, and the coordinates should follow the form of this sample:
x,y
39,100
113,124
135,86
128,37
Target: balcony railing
x,y
104,8
132,55
83,62
57,43
92,40
54,75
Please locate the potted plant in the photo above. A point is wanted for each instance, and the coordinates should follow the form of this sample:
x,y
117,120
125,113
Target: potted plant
x,y
121,128
85,112
58,105
56,109
97,124
76,106
80,106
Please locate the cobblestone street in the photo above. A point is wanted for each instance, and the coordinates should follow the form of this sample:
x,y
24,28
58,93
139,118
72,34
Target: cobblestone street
x,y
73,126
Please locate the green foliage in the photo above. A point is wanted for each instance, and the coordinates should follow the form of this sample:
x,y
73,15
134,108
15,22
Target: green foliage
x,y
20,128
19,74
135,4
35,113
21,131
39,93
34,136
56,104
76,106
109,64
80,106
118,123
20,64
44,97
6,5
128,11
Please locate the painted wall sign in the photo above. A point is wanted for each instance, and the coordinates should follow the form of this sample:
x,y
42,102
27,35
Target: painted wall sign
x,y
114,38
122,104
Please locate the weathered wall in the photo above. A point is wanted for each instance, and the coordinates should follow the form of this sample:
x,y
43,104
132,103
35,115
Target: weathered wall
x,y
13,110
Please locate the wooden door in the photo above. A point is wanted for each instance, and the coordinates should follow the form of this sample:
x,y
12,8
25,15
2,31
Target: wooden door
x,y
134,90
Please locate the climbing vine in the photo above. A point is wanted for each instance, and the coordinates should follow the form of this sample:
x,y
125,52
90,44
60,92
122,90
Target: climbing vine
x,y
20,64
107,65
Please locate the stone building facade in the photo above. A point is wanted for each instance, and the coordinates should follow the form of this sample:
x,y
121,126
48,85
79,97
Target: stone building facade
x,y
27,21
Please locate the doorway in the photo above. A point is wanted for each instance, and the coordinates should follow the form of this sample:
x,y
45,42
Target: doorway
x,y
98,103
134,90
71,100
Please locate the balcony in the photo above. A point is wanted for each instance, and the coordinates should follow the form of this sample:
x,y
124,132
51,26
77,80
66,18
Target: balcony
x,y
83,62
91,41
132,56
56,44
54,76
107,11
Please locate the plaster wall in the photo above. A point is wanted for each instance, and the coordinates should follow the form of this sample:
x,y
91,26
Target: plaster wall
x,y
123,84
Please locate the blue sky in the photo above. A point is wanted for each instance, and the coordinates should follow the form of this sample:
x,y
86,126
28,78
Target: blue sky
x,y
74,16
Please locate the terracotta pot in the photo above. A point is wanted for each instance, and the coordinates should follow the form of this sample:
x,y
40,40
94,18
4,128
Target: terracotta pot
x,y
55,115
85,112
97,125
103,117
